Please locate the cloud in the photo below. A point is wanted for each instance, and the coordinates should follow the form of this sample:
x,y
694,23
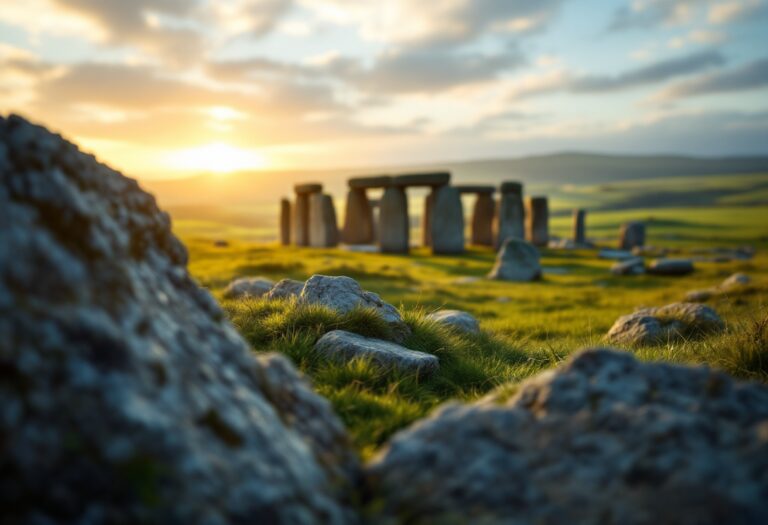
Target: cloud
x,y
652,13
753,75
251,17
735,10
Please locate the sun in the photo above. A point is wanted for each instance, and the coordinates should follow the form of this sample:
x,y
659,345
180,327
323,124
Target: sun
x,y
219,158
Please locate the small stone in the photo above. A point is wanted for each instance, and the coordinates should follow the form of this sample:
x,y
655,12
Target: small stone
x,y
699,296
673,322
671,267
345,347
457,319
286,289
634,266
517,260
248,287
617,255
736,280
220,243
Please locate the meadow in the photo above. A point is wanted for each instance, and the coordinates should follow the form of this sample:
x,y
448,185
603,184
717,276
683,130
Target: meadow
x,y
527,327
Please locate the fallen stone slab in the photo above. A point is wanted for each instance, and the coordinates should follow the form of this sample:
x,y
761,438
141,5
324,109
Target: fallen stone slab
x,y
604,438
375,181
457,319
440,178
344,294
248,287
633,266
672,267
617,255
673,322
517,260
286,289
343,346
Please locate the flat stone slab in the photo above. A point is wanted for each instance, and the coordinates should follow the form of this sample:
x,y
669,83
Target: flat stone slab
x,y
633,266
470,188
377,181
456,319
512,187
309,187
616,255
671,267
422,179
343,346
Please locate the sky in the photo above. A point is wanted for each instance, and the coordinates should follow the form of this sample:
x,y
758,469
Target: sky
x,y
167,88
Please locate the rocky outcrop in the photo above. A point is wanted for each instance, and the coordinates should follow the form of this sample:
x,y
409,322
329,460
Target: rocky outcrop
x,y
458,320
127,398
345,347
672,322
244,287
517,260
603,439
344,294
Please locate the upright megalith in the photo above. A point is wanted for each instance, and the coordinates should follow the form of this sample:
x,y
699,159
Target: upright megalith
x,y
632,234
483,213
285,222
300,222
537,220
510,222
447,223
323,228
432,180
359,224
394,234
579,227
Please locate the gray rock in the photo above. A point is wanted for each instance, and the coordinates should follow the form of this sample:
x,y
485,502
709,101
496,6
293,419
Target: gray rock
x,y
672,322
632,234
616,255
394,232
323,227
517,261
537,220
603,439
343,294
286,289
634,266
447,222
127,398
483,214
736,280
510,220
457,319
344,347
700,296
671,267
248,287
285,222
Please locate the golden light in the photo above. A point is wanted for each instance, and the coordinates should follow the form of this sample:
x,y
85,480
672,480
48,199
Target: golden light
x,y
216,158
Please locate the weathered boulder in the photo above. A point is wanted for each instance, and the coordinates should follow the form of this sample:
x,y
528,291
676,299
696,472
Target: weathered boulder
x,y
671,267
734,284
285,289
634,266
345,347
603,439
700,296
343,294
737,280
631,234
517,260
126,397
248,287
323,228
672,322
456,319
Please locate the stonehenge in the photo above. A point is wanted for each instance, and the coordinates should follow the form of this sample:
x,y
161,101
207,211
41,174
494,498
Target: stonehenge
x,y
537,220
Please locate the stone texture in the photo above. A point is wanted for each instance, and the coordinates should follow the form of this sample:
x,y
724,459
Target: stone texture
x,y
537,221
517,260
308,188
127,398
510,222
358,218
512,187
323,227
377,181
447,223
439,178
671,267
483,215
300,220
285,222
673,322
579,226
393,226
633,266
345,347
286,289
603,439
457,319
343,294
631,234
248,287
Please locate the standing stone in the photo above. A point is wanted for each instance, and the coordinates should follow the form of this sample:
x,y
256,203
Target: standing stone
x,y
537,221
632,234
393,221
285,222
579,227
517,260
358,219
447,224
482,220
426,222
323,229
301,212
510,221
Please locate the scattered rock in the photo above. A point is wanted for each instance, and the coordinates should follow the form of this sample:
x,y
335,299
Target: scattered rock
x,y
345,346
517,261
650,251
736,280
461,321
699,296
603,439
127,398
631,234
286,289
634,266
671,267
343,294
735,283
467,279
220,243
675,321
248,287
617,255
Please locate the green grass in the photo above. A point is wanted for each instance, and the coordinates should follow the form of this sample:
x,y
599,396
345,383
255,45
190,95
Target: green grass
x,y
527,327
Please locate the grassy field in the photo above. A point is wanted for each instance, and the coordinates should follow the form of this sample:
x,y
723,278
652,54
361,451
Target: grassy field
x,y
527,327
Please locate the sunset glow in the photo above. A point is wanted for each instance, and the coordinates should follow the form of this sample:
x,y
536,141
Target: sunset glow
x,y
216,158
